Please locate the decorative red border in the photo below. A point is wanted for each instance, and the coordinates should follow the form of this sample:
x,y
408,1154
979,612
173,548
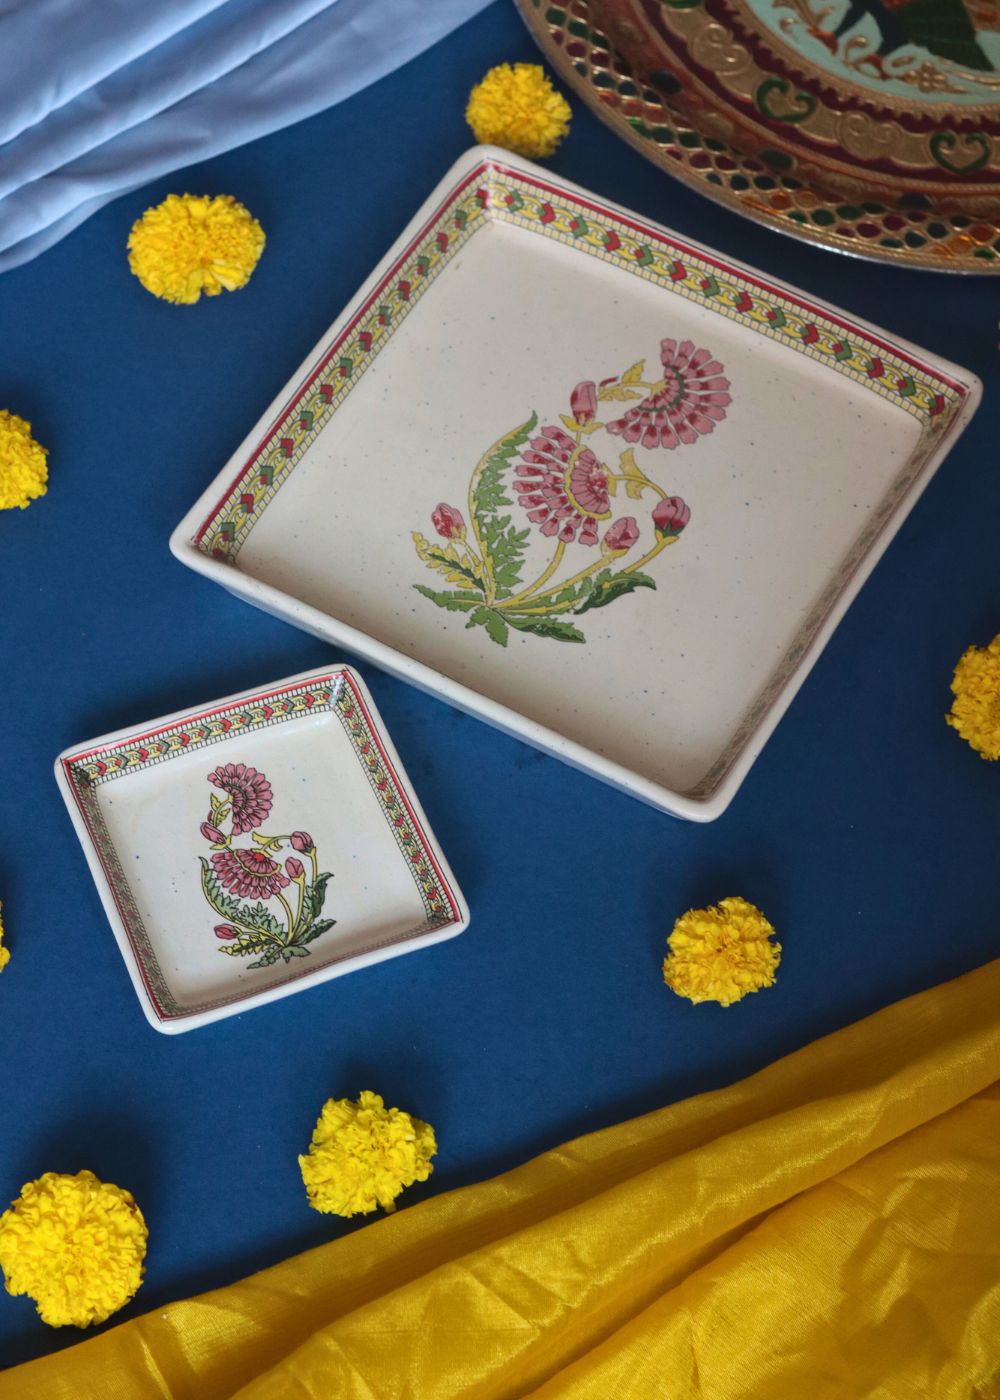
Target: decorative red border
x,y
358,316
961,119
636,227
196,717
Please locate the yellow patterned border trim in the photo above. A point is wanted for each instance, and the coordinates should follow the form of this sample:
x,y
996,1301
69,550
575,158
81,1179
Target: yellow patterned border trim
x,y
495,193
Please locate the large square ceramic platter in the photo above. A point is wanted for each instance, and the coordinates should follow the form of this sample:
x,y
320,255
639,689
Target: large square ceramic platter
x,y
258,845
600,486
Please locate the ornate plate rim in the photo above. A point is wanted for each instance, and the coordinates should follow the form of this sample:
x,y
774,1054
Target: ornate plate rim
x,y
137,748
532,13
214,528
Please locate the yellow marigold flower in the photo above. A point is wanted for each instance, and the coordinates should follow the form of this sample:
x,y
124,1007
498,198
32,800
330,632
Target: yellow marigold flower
x,y
4,953
518,108
363,1154
721,953
23,473
191,244
75,1245
975,710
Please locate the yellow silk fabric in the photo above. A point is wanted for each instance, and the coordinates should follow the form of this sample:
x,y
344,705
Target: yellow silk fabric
x,y
828,1229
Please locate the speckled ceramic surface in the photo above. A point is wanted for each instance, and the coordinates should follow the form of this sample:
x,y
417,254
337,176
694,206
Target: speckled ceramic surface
x,y
599,486
247,849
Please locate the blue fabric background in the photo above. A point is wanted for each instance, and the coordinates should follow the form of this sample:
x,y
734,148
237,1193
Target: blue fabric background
x,y
867,830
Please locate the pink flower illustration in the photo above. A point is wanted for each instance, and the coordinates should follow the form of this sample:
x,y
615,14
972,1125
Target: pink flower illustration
x,y
671,515
448,522
563,487
210,832
249,874
583,401
301,840
687,403
249,792
225,931
621,536
294,868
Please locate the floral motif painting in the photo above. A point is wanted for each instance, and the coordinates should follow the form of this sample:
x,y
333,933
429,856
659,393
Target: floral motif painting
x,y
247,885
568,495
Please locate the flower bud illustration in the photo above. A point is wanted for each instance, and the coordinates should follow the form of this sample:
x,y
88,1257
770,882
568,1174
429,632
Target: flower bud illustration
x,y
225,931
583,401
301,841
211,833
671,515
621,536
295,868
448,522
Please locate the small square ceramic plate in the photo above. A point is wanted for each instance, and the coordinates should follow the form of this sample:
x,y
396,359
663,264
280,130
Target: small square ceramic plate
x,y
263,844
600,486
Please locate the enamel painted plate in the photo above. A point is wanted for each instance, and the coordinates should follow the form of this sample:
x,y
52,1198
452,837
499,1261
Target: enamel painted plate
x,y
893,99
598,485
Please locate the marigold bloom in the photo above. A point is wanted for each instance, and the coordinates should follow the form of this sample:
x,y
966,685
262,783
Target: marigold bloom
x,y
75,1245
518,108
975,710
191,244
721,953
23,471
363,1154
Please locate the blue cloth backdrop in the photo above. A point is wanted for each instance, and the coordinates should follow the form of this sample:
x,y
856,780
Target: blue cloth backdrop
x,y
867,829
98,97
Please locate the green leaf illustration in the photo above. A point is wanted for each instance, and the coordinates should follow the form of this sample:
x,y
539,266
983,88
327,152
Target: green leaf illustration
x,y
221,902
315,930
270,955
257,917
495,626
446,560
247,943
501,544
315,895
505,545
457,601
615,587
546,627
295,951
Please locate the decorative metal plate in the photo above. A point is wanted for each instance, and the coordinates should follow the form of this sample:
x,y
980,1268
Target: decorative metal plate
x,y
587,63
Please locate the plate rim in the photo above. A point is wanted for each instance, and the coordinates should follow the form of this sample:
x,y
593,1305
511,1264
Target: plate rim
x,y
535,22
183,539
172,1023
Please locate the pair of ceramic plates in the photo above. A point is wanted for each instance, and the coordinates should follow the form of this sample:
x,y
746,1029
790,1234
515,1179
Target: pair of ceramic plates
x,y
599,486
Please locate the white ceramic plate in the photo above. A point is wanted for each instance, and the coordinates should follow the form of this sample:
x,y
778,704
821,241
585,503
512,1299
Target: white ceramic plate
x,y
595,484
256,846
